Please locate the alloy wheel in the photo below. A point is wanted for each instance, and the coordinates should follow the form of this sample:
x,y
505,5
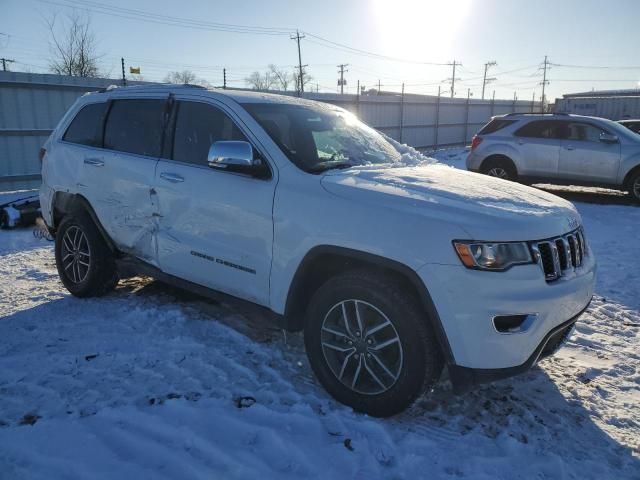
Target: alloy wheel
x,y
636,188
361,347
76,254
498,172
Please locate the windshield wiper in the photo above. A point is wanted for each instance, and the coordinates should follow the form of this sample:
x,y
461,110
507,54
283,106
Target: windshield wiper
x,y
329,165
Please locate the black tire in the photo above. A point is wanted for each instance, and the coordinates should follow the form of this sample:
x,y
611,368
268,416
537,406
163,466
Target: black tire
x,y
420,363
100,276
500,167
633,186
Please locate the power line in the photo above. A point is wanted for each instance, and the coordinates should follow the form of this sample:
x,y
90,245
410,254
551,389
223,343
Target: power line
x,y
329,43
596,67
133,14
4,63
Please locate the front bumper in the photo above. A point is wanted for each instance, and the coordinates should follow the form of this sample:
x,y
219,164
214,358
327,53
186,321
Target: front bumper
x,y
467,301
463,378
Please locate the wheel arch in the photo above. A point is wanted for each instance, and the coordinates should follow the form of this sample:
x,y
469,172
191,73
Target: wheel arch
x,y
629,175
498,157
65,203
323,262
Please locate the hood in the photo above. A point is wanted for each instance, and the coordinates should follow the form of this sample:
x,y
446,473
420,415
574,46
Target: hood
x,y
486,208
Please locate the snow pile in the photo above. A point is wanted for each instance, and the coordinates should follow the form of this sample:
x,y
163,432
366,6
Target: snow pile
x,y
410,156
455,157
150,382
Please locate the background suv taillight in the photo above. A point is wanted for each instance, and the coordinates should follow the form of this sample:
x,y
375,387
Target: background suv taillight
x,y
475,141
41,154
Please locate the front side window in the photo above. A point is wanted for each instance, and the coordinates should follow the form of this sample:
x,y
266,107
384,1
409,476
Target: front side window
x,y
86,127
584,132
318,137
198,125
135,126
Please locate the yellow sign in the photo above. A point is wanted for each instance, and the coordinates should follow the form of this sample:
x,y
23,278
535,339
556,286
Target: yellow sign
x,y
134,70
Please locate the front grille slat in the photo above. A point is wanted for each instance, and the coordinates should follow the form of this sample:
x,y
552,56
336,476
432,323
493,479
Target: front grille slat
x,y
558,256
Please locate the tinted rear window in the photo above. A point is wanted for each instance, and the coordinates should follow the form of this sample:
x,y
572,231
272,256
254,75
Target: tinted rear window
x,y
495,125
86,127
542,129
135,126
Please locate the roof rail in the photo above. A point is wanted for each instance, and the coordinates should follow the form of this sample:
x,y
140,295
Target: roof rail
x,y
153,86
512,114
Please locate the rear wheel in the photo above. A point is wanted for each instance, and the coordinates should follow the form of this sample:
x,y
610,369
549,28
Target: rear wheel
x,y
634,186
500,167
85,263
369,343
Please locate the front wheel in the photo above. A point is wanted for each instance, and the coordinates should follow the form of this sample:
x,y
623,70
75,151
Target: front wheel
x,y
369,343
85,263
500,167
634,186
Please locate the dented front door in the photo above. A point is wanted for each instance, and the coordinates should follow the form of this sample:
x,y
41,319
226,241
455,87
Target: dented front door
x,y
120,191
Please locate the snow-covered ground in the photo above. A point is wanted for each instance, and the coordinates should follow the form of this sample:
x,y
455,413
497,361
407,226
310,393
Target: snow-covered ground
x,y
150,382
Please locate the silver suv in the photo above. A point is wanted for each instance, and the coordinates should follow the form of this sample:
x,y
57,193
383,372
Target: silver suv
x,y
558,148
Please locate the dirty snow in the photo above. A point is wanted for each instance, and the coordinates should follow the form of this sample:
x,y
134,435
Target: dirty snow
x,y
151,382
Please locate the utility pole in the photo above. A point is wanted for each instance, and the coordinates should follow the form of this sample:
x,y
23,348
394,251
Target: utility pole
x,y
224,78
341,82
485,79
402,114
544,82
124,79
533,101
453,77
4,63
300,72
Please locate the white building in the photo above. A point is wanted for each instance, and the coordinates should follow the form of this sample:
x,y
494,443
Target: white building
x,y
612,104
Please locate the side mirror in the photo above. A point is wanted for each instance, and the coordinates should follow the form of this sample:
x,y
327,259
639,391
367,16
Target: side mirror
x,y
230,155
608,138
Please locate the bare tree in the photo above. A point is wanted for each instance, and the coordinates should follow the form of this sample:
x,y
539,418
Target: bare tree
x,y
184,77
73,46
281,77
306,79
261,81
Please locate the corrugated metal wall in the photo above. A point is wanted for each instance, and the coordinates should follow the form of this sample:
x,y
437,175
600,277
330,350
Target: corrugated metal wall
x,y
32,104
611,107
425,121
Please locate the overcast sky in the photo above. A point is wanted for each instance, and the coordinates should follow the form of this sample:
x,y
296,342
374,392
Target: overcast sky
x,y
517,34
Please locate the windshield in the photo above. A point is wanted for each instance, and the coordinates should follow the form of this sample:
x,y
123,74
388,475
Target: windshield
x,y
619,130
317,137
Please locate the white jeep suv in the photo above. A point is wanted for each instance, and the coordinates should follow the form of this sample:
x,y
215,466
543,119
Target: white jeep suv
x,y
558,148
392,271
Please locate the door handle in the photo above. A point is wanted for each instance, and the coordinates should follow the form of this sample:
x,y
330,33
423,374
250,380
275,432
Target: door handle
x,y
96,162
171,177
570,147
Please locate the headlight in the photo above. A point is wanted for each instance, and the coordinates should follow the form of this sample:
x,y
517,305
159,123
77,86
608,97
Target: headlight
x,y
492,256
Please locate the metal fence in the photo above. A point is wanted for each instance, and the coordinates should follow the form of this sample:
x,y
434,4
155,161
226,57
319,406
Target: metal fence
x,y
423,121
32,104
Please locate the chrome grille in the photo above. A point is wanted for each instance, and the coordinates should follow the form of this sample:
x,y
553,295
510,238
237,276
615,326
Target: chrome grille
x,y
557,256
